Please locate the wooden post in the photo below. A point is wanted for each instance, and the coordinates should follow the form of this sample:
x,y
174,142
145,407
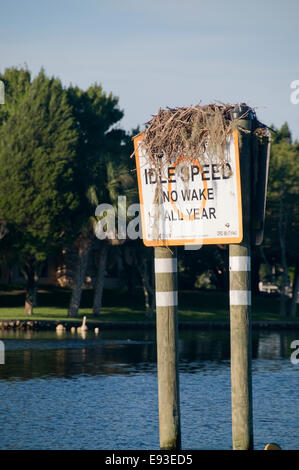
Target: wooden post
x,y
240,307
167,347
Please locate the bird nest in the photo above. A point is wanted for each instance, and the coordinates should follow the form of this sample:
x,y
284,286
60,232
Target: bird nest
x,y
188,133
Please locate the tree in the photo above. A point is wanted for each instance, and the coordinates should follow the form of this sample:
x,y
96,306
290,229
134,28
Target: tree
x,y
95,113
17,82
282,214
3,228
117,181
37,152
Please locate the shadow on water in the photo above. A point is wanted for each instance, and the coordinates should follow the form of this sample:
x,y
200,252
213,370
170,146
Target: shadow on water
x,y
34,354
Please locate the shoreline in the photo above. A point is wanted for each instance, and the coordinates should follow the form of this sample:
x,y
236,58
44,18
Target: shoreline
x,y
50,325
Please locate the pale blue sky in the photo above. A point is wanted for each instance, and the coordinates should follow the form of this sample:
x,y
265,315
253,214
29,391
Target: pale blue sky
x,y
162,53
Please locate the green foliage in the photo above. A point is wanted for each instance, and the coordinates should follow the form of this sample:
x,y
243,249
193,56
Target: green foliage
x,y
17,82
282,197
37,151
101,164
61,155
94,113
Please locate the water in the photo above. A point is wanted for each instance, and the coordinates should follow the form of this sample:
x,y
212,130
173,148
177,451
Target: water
x,y
67,392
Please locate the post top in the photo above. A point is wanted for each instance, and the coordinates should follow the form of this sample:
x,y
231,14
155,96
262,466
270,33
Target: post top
x,y
242,111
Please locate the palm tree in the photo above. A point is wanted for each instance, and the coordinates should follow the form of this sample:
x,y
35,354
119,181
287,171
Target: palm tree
x,y
118,181
113,179
95,114
84,245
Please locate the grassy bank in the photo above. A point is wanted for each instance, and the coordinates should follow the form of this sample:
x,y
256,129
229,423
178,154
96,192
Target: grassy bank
x,y
119,306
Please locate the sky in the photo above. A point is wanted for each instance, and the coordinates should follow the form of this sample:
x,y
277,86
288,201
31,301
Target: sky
x,y
162,53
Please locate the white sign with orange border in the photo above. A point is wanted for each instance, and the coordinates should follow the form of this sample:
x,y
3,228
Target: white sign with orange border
x,y
193,203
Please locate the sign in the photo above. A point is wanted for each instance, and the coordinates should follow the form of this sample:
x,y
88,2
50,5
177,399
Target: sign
x,y
191,202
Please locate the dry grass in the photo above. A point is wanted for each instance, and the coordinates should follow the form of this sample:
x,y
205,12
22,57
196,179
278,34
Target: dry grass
x,y
188,133
193,132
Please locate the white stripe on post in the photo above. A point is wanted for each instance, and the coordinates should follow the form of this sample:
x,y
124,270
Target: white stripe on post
x,y
167,299
166,265
240,297
239,263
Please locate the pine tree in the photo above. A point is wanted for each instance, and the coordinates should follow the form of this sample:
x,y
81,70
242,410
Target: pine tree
x,y
37,151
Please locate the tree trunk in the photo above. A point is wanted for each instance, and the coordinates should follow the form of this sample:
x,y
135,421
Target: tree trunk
x,y
269,269
146,298
31,274
29,300
80,275
255,268
220,273
293,309
129,268
282,239
3,229
99,283
148,291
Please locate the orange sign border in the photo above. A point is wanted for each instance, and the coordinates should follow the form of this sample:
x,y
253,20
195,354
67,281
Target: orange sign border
x,y
194,241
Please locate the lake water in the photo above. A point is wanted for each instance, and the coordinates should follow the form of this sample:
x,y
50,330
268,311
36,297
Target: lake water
x,y
100,392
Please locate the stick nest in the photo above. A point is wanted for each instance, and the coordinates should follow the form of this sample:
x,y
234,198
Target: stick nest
x,y
188,133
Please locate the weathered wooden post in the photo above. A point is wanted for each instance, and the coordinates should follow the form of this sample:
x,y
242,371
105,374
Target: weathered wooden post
x,y
167,347
240,303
